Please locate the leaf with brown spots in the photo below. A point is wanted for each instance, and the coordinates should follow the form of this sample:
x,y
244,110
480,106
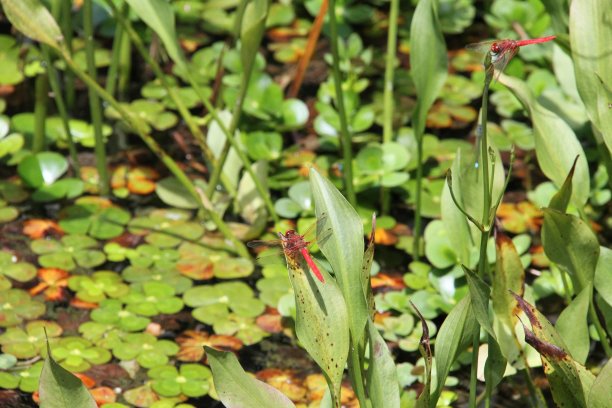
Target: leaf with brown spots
x,y
36,228
192,344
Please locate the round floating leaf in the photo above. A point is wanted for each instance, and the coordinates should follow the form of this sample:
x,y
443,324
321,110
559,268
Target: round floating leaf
x,y
295,113
42,169
287,208
264,145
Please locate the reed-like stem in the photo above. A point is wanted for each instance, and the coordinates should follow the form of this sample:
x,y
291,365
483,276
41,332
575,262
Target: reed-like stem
x,y
94,103
113,69
345,140
40,112
66,27
61,107
388,97
174,168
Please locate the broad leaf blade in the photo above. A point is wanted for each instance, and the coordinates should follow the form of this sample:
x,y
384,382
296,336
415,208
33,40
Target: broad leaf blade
x,y
58,388
591,42
237,389
572,325
556,143
479,293
343,248
32,19
321,320
382,383
569,242
455,335
599,395
428,60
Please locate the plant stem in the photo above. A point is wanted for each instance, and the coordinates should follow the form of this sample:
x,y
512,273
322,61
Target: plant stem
x,y
174,168
388,101
94,103
355,368
418,219
113,70
603,337
61,107
345,140
66,26
40,112
474,369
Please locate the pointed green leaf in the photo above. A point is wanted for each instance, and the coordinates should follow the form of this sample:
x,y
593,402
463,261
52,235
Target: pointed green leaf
x,y
159,16
479,294
382,383
603,271
237,389
58,388
428,60
343,248
561,199
252,29
570,242
32,19
599,395
455,335
572,325
556,143
495,365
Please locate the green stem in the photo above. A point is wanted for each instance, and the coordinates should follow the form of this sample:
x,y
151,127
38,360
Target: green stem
x,y
40,112
416,244
388,101
61,107
355,368
346,142
125,60
184,112
474,369
113,70
566,288
94,102
174,168
66,26
603,337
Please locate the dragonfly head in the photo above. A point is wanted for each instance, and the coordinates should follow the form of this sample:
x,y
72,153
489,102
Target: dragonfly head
x,y
495,48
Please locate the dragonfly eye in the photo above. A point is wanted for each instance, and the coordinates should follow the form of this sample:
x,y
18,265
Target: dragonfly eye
x,y
495,48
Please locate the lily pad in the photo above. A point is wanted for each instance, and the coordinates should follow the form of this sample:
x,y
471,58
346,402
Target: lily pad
x,y
16,306
166,228
67,253
19,271
94,216
28,342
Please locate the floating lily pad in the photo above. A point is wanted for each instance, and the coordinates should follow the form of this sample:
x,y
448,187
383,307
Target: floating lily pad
x,y
98,286
111,312
94,216
27,343
166,228
67,253
152,299
190,380
16,305
138,275
213,303
82,132
77,354
199,263
146,349
42,169
19,271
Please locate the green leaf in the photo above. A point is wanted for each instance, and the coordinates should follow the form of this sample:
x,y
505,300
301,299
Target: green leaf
x,y
561,199
236,389
591,44
428,59
455,335
556,144
343,248
42,168
599,394
603,271
569,241
173,193
252,28
509,276
60,389
573,327
159,16
33,20
495,366
382,382
321,323
479,293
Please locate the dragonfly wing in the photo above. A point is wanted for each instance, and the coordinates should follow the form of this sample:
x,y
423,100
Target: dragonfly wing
x,y
265,244
503,59
481,47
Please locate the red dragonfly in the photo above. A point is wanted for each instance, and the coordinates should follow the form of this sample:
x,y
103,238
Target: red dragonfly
x,y
293,243
502,51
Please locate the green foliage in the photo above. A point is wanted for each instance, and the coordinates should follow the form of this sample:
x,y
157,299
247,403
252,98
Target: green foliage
x,y
146,349
192,380
16,305
68,253
98,286
77,354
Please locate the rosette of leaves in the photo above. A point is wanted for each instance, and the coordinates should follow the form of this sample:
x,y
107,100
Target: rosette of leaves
x,y
10,193
25,379
138,275
77,354
146,349
199,263
166,228
42,172
98,286
27,343
11,268
244,328
213,303
16,306
152,114
94,216
147,255
382,164
111,311
153,298
102,334
191,380
68,252
192,342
